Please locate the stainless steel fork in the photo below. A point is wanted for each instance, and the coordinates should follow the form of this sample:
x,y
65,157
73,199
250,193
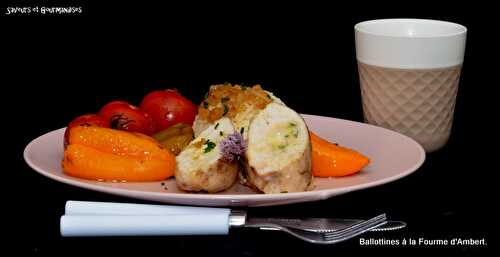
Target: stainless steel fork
x,y
318,234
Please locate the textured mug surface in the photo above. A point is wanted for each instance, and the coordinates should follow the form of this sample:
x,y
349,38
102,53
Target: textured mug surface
x,y
409,71
417,103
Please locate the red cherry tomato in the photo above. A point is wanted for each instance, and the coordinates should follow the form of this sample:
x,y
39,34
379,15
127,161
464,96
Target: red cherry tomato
x,y
167,108
124,116
85,120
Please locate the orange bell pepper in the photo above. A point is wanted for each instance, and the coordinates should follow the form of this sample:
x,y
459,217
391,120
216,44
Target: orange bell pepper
x,y
331,160
106,154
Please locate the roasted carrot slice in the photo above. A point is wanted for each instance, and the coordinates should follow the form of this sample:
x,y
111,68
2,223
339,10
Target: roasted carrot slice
x,y
331,160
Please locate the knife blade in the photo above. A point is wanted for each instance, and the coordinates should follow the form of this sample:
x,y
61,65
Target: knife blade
x,y
319,224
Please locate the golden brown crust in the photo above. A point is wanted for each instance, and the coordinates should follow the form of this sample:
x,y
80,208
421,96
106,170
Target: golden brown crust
x,y
228,100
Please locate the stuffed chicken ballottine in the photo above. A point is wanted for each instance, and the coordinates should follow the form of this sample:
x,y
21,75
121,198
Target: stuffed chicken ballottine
x,y
268,143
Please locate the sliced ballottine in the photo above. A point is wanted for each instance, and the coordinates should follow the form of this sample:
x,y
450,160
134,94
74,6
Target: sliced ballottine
x,y
201,165
247,109
279,151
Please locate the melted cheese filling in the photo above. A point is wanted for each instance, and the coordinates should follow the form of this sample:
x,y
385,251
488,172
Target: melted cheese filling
x,y
278,136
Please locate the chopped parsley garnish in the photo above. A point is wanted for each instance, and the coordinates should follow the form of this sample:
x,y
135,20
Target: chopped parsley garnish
x,y
224,99
242,130
205,104
210,146
216,125
243,87
221,133
206,95
294,130
226,109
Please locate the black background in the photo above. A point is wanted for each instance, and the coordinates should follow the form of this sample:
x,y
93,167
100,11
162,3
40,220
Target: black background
x,y
57,67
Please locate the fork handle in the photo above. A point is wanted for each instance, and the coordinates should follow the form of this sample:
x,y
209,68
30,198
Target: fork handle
x,y
120,225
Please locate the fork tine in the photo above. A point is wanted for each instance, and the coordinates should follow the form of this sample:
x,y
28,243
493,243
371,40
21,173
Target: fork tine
x,y
363,228
356,226
321,238
352,234
356,231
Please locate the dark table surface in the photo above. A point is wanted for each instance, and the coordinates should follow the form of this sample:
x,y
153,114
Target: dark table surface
x,y
61,67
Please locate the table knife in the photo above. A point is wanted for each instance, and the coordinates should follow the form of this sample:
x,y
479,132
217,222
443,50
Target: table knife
x,y
123,219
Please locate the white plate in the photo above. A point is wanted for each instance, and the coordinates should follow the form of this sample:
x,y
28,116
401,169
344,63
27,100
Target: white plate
x,y
392,156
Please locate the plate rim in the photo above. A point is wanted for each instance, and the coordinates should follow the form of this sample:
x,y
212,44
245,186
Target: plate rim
x,y
323,194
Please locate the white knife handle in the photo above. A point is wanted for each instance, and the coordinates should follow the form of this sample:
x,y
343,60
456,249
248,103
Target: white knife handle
x,y
185,224
106,208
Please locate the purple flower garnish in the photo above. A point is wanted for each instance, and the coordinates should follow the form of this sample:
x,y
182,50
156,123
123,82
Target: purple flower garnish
x,y
232,147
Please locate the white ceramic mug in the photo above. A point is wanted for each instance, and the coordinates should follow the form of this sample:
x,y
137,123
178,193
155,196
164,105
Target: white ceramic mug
x,y
409,71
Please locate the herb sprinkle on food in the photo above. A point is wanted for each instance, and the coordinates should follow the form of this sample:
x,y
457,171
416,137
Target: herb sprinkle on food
x,y
209,146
